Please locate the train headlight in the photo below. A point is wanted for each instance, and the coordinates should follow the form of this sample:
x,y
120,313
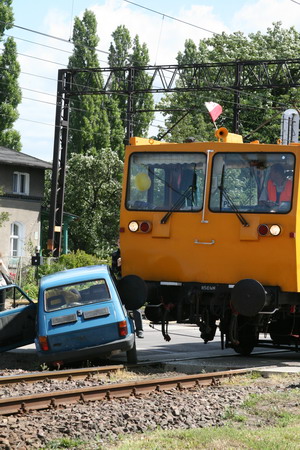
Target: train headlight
x,y
269,230
133,226
263,229
275,230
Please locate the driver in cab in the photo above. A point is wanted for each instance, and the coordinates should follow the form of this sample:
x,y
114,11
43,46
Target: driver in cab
x,y
278,189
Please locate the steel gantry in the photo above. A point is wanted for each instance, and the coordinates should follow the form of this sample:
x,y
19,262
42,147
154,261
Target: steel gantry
x,y
235,76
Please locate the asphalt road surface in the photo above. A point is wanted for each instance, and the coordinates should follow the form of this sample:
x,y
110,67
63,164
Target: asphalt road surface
x,y
185,352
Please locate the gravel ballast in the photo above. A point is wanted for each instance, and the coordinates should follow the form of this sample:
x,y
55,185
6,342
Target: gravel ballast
x,y
97,423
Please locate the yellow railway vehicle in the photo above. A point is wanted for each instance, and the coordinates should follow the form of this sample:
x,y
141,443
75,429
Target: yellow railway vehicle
x,y
213,230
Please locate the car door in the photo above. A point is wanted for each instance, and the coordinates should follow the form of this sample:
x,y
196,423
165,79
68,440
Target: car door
x,y
18,320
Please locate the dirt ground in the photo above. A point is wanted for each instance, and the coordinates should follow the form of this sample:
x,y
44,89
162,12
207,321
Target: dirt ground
x,y
25,362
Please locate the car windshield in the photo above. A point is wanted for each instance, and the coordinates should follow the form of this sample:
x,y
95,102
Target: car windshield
x,y
252,182
164,181
77,294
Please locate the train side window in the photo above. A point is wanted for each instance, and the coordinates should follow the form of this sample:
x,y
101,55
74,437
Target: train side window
x,y
252,182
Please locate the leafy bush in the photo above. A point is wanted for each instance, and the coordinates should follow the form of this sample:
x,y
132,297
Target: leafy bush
x,y
70,261
80,259
31,289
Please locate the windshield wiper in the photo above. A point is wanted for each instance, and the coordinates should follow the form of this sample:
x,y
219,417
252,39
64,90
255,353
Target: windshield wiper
x,y
186,195
238,214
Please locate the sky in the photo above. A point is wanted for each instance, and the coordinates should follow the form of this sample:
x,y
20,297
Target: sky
x,y
41,56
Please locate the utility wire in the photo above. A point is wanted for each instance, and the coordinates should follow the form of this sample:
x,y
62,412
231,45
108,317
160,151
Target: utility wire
x,y
159,37
68,41
61,39
37,43
163,15
41,59
45,46
71,21
170,17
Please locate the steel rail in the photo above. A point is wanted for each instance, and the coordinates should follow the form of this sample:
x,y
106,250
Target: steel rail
x,y
60,375
27,403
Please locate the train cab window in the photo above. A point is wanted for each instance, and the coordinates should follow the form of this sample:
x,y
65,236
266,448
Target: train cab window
x,y
164,181
252,182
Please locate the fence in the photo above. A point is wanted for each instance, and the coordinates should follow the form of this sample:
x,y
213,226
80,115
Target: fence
x,y
19,266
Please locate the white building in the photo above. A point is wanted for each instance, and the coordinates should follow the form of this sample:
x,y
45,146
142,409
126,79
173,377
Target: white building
x,y
22,190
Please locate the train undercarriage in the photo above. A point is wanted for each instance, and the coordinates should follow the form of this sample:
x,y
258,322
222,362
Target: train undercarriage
x,y
242,312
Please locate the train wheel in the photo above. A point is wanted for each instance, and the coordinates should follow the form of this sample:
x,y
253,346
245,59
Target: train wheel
x,y
244,349
246,334
132,355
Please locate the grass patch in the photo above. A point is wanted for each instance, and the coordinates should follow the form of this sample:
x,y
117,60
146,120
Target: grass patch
x,y
215,439
242,380
263,422
65,443
277,409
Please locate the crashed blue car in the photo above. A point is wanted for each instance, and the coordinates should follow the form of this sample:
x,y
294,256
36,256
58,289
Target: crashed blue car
x,y
79,315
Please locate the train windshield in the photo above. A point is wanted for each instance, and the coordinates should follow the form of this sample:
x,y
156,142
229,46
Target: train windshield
x,y
252,182
164,181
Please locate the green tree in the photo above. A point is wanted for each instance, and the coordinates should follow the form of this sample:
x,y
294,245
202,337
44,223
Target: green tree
x,y
94,193
95,120
89,125
118,57
142,102
95,146
116,126
257,106
10,93
125,52
187,108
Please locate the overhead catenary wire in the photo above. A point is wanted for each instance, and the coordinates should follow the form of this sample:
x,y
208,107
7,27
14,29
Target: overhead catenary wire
x,y
95,133
242,93
71,21
68,41
170,17
46,46
159,37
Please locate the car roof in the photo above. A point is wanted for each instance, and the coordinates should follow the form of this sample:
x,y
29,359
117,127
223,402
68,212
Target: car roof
x,y
75,276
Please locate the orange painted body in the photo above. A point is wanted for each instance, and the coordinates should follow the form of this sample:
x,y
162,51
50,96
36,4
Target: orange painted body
x,y
206,246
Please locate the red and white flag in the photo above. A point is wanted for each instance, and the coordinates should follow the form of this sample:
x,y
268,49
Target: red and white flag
x,y
214,109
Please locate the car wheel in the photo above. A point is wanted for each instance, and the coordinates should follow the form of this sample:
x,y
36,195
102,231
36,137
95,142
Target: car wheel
x,y
132,355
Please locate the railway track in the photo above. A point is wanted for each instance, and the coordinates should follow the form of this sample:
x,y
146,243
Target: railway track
x,y
86,373
55,399
60,375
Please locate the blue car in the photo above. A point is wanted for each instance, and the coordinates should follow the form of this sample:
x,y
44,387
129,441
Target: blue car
x,y
79,315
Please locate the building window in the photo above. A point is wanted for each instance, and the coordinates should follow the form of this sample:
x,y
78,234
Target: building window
x,y
16,230
21,183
